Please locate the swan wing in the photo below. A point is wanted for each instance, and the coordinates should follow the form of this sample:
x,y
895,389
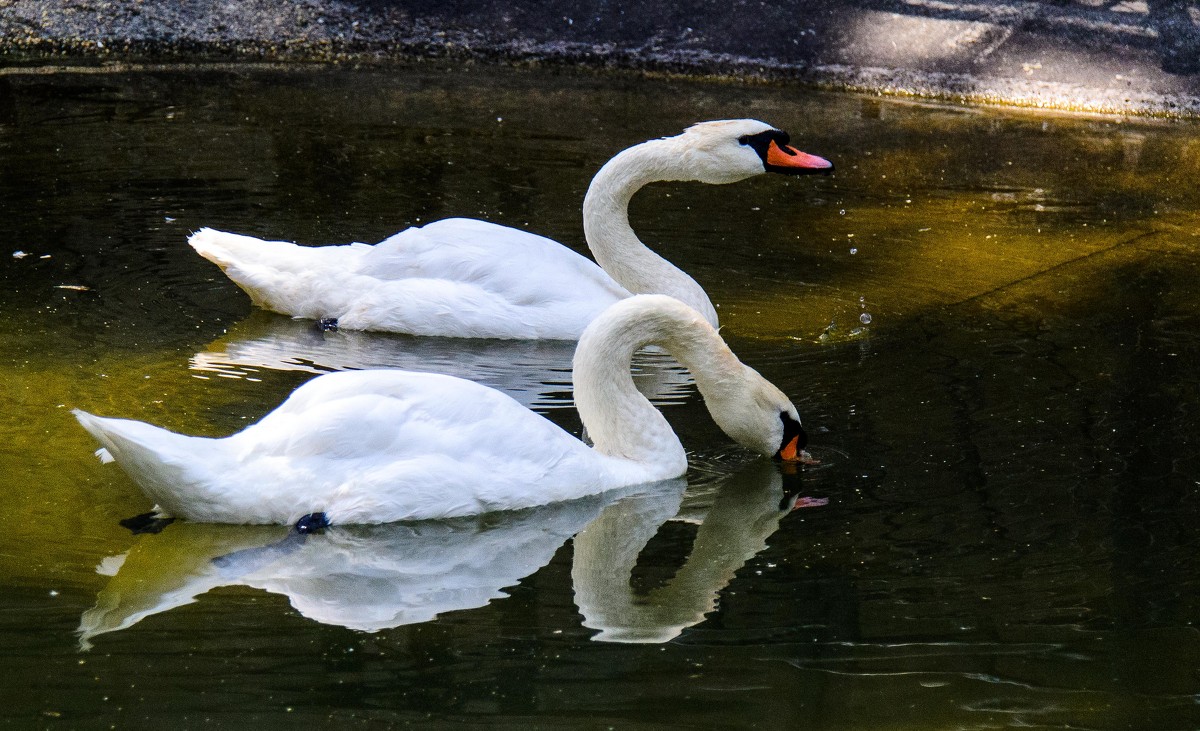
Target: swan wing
x,y
478,279
469,250
456,277
381,446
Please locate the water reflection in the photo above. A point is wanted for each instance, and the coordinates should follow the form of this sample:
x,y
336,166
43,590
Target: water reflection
x,y
535,372
746,511
371,578
366,578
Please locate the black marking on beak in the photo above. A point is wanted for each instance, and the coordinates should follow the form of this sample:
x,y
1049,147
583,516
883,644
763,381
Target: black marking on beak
x,y
791,430
761,144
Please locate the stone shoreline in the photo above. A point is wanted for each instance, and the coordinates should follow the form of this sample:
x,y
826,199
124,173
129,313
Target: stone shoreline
x,y
1136,57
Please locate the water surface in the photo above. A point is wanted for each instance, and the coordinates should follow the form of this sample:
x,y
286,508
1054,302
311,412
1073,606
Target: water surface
x,y
988,321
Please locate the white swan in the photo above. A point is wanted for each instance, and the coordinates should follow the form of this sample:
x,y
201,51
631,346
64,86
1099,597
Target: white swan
x,y
466,278
382,446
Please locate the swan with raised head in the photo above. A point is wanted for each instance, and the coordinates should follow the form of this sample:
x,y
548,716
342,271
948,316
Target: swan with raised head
x,y
467,278
383,446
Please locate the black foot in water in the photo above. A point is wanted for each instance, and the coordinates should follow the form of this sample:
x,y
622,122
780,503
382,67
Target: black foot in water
x,y
327,324
312,523
146,523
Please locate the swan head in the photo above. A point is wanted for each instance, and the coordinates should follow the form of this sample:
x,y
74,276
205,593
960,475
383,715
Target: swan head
x,y
730,150
757,415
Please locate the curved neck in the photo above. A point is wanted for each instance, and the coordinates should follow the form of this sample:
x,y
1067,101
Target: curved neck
x,y
620,420
610,237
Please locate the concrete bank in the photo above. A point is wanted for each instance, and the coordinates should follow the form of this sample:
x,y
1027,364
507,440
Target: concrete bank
x,y
1115,56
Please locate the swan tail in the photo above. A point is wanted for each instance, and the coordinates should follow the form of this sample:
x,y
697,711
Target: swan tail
x,y
253,264
161,462
302,281
228,250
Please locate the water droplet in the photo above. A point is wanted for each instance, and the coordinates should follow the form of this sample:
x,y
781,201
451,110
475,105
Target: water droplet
x,y
853,251
843,212
865,318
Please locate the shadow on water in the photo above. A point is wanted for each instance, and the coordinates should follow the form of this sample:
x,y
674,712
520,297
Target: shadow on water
x,y
1008,438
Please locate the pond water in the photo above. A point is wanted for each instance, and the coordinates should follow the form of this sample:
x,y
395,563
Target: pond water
x,y
989,322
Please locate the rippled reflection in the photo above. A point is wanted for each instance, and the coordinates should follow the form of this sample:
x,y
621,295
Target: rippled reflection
x,y
535,372
371,578
367,578
747,510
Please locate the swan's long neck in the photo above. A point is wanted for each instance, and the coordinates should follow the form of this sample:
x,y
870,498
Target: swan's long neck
x,y
610,237
621,421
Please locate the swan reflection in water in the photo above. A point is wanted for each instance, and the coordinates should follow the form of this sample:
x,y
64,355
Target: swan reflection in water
x,y
744,512
536,373
371,578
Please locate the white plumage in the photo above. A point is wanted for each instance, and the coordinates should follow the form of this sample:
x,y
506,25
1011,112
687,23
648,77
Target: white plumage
x,y
457,277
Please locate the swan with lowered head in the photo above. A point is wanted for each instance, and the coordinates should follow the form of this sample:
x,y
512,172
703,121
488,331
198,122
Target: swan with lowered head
x,y
467,278
382,446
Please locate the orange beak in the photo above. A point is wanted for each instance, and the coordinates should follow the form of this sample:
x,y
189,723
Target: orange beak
x,y
791,453
789,157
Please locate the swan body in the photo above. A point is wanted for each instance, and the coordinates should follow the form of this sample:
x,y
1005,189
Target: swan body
x,y
458,276
466,278
382,446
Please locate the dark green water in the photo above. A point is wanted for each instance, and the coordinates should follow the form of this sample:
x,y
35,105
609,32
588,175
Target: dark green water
x,y
1010,447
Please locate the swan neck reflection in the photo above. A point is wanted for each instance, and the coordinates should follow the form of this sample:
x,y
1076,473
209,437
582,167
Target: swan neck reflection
x,y
744,514
371,578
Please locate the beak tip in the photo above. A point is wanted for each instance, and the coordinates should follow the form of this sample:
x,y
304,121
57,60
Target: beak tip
x,y
789,160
